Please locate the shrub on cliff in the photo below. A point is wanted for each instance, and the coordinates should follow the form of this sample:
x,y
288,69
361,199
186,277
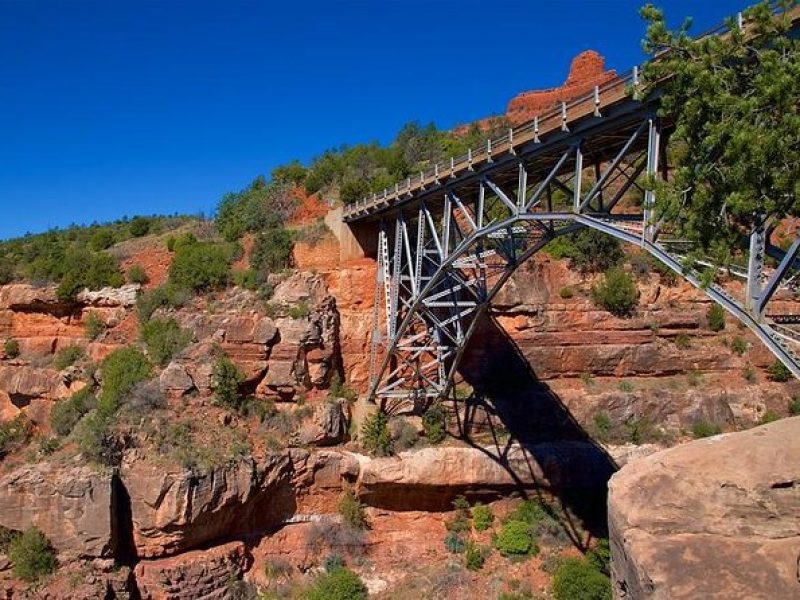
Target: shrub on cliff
x,y
272,250
200,266
66,413
352,510
93,326
337,584
137,274
14,433
777,371
164,296
31,556
375,435
577,579
259,207
616,292
716,317
515,539
139,226
67,356
433,422
226,380
120,371
482,517
475,556
11,348
84,269
164,339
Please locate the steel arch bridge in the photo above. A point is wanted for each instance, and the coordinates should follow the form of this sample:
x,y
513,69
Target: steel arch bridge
x,y
450,238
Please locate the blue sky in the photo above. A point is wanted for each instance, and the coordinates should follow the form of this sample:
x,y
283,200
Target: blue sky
x,y
121,108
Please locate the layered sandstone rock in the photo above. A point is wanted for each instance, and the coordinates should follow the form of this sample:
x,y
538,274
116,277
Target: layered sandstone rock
x,y
714,518
177,510
207,574
71,504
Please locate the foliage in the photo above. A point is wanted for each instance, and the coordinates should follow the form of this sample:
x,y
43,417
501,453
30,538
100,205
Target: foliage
x,y
474,556
352,510
683,341
137,274
591,251
794,406
515,539
733,100
616,292
139,226
600,556
578,579
245,278
738,345
340,389
164,296
375,435
226,380
301,310
200,266
31,555
66,413
164,339
602,426
272,250
73,257
14,433
768,417
777,371
482,516
292,172
93,325
67,356
459,522
566,292
454,543
716,317
433,422
337,584
704,428
11,348
120,371
261,206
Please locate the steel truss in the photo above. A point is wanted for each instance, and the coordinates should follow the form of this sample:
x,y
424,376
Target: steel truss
x,y
445,251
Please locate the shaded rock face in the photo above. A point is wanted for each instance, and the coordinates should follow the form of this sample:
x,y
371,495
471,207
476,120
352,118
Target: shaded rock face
x,y
327,426
714,518
71,505
195,574
173,511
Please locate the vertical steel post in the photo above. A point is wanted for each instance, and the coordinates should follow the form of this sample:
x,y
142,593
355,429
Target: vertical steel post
x,y
576,191
653,147
755,266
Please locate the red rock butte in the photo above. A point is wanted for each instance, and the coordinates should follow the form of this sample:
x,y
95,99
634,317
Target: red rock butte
x,y
586,71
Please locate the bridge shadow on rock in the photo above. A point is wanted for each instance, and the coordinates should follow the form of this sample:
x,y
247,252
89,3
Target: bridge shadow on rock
x,y
521,423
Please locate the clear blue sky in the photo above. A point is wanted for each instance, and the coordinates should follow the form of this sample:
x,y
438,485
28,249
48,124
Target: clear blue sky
x,y
112,108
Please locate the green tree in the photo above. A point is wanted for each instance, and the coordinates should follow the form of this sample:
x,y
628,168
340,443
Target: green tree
x,y
272,250
292,172
139,226
200,266
433,422
616,292
733,100
31,555
591,251
120,371
716,317
577,579
516,539
337,584
164,339
66,413
226,379
375,435
11,348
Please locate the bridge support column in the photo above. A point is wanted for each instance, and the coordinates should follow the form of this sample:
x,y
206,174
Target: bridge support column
x,y
653,147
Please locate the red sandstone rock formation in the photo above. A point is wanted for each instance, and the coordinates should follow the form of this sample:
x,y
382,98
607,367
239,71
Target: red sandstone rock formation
x,y
586,71
715,518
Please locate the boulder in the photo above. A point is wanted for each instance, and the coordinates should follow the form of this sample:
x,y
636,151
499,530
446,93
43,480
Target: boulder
x,y
174,510
71,504
110,297
327,426
194,574
714,518
175,380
